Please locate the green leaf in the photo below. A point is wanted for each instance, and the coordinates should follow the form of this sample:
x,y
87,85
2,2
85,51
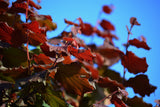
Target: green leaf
x,y
14,57
53,98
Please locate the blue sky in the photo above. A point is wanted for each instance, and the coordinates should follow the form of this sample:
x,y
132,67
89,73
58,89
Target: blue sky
x,y
146,11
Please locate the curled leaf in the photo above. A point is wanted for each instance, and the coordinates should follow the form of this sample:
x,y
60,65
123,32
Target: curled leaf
x,y
133,63
133,21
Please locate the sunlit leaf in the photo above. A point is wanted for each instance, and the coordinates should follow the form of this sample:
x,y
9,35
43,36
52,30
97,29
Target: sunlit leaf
x,y
84,55
133,63
141,85
73,78
139,44
117,102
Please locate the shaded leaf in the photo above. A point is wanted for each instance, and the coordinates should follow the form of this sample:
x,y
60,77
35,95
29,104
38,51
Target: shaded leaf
x,y
83,55
106,25
54,51
5,85
141,85
107,9
3,5
117,102
139,44
133,63
10,56
99,105
136,102
73,78
15,73
112,85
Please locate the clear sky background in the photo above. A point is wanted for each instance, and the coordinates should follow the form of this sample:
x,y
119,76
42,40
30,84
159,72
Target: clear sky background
x,y
146,11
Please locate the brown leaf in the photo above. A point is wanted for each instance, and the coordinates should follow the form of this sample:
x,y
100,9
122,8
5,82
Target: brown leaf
x,y
133,21
133,63
107,9
112,85
106,25
73,78
139,44
140,85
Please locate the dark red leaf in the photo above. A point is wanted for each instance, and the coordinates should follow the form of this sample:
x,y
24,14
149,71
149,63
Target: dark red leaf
x,y
5,32
133,63
106,25
99,59
3,6
19,8
14,37
73,78
117,102
140,85
139,44
107,9
83,55
86,29
112,85
42,59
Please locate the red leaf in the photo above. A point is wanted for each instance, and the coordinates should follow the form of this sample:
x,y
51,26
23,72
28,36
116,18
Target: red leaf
x,y
133,63
117,102
15,37
6,32
99,59
32,4
107,9
110,84
139,44
73,78
33,26
106,25
86,29
85,55
94,72
19,8
42,59
70,22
